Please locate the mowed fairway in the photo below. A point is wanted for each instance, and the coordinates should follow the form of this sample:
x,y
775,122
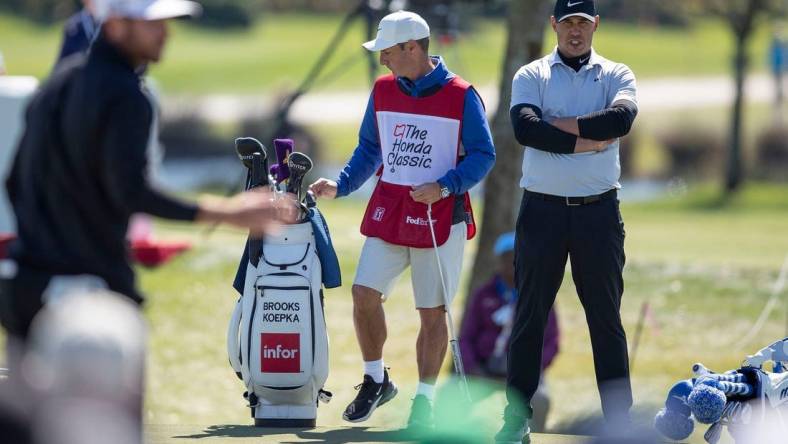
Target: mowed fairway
x,y
705,271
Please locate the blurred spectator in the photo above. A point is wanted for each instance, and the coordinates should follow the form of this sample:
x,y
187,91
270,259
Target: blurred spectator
x,y
484,335
80,31
2,65
778,53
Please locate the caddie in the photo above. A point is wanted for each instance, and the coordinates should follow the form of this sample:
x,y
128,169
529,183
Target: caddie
x,y
426,134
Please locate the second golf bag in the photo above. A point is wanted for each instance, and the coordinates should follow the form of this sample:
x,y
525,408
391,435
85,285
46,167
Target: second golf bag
x,y
277,340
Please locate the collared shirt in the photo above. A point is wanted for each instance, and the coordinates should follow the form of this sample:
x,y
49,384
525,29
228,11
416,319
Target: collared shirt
x,y
476,138
560,92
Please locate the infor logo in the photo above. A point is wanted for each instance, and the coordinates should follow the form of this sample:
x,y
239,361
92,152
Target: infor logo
x,y
377,216
280,352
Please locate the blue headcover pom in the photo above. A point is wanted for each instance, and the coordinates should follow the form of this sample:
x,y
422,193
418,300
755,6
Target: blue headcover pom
x,y
673,425
706,403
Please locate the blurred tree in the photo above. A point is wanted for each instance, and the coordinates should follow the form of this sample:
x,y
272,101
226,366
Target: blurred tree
x,y
741,17
526,22
653,12
41,10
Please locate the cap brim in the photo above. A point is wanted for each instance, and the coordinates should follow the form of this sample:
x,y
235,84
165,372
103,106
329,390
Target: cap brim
x,y
377,45
170,9
578,14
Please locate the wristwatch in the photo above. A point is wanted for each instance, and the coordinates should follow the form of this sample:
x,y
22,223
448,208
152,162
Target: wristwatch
x,y
445,192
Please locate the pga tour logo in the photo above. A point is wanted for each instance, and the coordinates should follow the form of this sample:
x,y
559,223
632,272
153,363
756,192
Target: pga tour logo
x,y
280,352
377,216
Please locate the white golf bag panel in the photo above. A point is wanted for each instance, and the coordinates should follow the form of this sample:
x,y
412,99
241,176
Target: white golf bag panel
x,y
277,335
774,387
233,346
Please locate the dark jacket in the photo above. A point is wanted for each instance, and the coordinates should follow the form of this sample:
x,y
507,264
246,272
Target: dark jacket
x,y
81,171
479,332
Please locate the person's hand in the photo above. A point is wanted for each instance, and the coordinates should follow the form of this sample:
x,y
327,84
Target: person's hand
x,y
324,188
588,145
428,193
258,210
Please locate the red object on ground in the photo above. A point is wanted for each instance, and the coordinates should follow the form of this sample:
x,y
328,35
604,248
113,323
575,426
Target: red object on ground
x,y
152,253
5,240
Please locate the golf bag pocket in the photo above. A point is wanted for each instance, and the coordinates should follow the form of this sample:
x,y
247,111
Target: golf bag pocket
x,y
282,337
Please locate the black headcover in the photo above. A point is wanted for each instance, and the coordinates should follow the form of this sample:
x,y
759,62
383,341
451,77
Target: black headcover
x,y
248,148
299,164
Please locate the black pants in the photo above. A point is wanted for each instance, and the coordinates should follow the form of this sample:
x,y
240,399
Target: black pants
x,y
592,237
20,300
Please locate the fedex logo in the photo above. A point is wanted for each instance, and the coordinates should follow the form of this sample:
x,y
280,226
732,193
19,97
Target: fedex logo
x,y
377,216
280,352
417,221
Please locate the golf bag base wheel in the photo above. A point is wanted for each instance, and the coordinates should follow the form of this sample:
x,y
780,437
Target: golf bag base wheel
x,y
286,423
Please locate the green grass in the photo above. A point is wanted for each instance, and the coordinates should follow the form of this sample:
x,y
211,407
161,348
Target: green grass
x,y
276,54
705,270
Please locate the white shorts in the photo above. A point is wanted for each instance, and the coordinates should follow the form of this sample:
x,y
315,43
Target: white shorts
x,y
381,263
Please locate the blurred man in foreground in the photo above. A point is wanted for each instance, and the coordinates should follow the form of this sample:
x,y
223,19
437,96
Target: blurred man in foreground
x,y
81,170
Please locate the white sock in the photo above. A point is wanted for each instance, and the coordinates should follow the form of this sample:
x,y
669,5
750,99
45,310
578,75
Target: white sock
x,y
374,369
427,390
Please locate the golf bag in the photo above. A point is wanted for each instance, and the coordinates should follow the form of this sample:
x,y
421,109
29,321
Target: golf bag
x,y
751,402
277,341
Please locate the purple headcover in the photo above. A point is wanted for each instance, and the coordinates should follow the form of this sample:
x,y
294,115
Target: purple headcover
x,y
283,149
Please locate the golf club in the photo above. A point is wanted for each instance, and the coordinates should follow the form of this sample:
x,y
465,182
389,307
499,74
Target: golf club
x,y
283,148
455,345
299,165
246,147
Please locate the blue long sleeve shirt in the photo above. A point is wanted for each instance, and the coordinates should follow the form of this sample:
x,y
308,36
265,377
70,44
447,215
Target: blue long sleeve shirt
x,y
475,137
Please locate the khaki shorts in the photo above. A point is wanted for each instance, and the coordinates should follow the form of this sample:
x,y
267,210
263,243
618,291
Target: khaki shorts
x,y
381,264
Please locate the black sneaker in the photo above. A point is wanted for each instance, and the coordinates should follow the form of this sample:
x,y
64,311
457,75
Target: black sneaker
x,y
371,395
421,419
515,427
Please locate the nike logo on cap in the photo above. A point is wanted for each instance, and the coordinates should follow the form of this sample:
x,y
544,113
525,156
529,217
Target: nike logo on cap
x,y
570,4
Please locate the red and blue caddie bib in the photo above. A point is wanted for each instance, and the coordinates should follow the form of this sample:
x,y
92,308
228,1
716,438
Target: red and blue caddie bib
x,y
420,142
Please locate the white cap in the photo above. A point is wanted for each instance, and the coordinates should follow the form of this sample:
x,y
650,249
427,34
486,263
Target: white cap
x,y
398,27
146,9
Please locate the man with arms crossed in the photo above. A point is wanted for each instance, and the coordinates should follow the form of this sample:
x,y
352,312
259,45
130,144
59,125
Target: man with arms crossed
x,y
426,132
568,110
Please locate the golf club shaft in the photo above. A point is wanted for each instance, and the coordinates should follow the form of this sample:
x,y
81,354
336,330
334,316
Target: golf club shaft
x,y
455,348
